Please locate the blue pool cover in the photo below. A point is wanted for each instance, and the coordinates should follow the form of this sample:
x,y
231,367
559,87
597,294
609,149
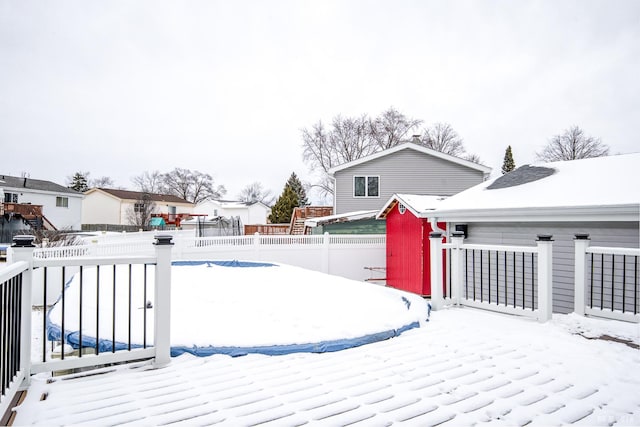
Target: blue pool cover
x,y
54,333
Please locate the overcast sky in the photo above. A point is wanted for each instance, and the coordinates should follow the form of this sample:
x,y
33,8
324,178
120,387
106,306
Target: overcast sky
x,y
117,88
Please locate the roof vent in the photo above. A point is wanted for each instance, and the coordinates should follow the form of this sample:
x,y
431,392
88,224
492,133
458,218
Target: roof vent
x,y
522,175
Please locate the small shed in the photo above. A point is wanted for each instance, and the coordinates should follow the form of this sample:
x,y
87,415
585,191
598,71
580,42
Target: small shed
x,y
408,219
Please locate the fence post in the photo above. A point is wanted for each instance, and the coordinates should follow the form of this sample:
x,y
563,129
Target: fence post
x,y
435,254
545,277
325,253
256,246
457,239
162,303
22,250
581,244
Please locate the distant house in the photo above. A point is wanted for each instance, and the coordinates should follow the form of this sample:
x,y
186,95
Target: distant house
x,y
408,168
33,203
108,206
249,213
597,196
408,219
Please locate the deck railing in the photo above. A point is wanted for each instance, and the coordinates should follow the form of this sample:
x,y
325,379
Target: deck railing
x,y
29,271
14,302
508,279
606,281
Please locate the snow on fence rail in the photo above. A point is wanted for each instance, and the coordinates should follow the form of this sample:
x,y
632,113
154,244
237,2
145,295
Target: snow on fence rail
x,y
606,281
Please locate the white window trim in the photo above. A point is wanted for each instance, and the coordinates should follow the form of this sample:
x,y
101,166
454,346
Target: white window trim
x,y
366,187
62,199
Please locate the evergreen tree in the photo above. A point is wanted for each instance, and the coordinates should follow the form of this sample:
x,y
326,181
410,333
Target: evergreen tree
x,y
298,188
284,206
508,165
79,182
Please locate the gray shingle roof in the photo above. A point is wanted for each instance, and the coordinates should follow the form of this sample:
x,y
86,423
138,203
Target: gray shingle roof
x,y
7,181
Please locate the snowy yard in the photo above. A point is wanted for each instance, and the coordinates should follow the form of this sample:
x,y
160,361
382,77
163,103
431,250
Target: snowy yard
x,y
463,367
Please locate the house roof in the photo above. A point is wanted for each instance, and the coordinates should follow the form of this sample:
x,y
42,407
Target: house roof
x,y
602,188
13,182
415,147
136,195
421,206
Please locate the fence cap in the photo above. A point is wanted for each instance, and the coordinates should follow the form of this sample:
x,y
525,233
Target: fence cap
x,y
457,234
435,234
582,236
545,238
23,241
163,239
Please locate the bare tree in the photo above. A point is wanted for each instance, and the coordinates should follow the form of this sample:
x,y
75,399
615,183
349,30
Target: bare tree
x,y
351,138
149,182
392,127
192,186
102,182
442,137
140,213
571,145
472,158
254,193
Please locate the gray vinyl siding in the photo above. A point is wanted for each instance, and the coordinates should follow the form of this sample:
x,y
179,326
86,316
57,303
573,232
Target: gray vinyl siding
x,y
406,171
611,234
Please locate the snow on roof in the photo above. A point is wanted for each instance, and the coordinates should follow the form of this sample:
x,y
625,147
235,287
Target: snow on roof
x,y
415,147
348,216
419,205
587,189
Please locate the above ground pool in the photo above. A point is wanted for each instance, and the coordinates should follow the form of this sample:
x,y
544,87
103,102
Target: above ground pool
x,y
234,308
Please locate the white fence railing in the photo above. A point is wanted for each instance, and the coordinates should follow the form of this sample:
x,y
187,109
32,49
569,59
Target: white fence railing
x,y
14,345
508,279
22,271
343,255
606,281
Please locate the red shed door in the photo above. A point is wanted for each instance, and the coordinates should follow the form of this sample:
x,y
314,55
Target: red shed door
x,y
404,251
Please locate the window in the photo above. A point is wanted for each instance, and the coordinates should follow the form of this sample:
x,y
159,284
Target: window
x,y
62,202
11,197
138,207
366,186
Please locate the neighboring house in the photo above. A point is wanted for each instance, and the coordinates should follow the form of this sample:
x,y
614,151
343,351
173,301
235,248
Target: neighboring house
x,y
34,203
114,207
249,213
597,196
408,168
408,218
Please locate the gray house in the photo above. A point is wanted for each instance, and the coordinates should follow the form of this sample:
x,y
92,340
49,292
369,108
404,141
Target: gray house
x,y
599,197
367,183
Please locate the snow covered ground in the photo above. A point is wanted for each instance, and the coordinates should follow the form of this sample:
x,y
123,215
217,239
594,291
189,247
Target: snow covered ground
x,y
463,367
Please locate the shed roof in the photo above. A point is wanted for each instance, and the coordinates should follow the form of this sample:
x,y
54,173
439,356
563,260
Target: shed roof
x,y
11,182
422,206
415,147
602,188
344,217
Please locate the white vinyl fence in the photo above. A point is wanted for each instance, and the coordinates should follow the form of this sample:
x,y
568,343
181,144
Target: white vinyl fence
x,y
350,256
